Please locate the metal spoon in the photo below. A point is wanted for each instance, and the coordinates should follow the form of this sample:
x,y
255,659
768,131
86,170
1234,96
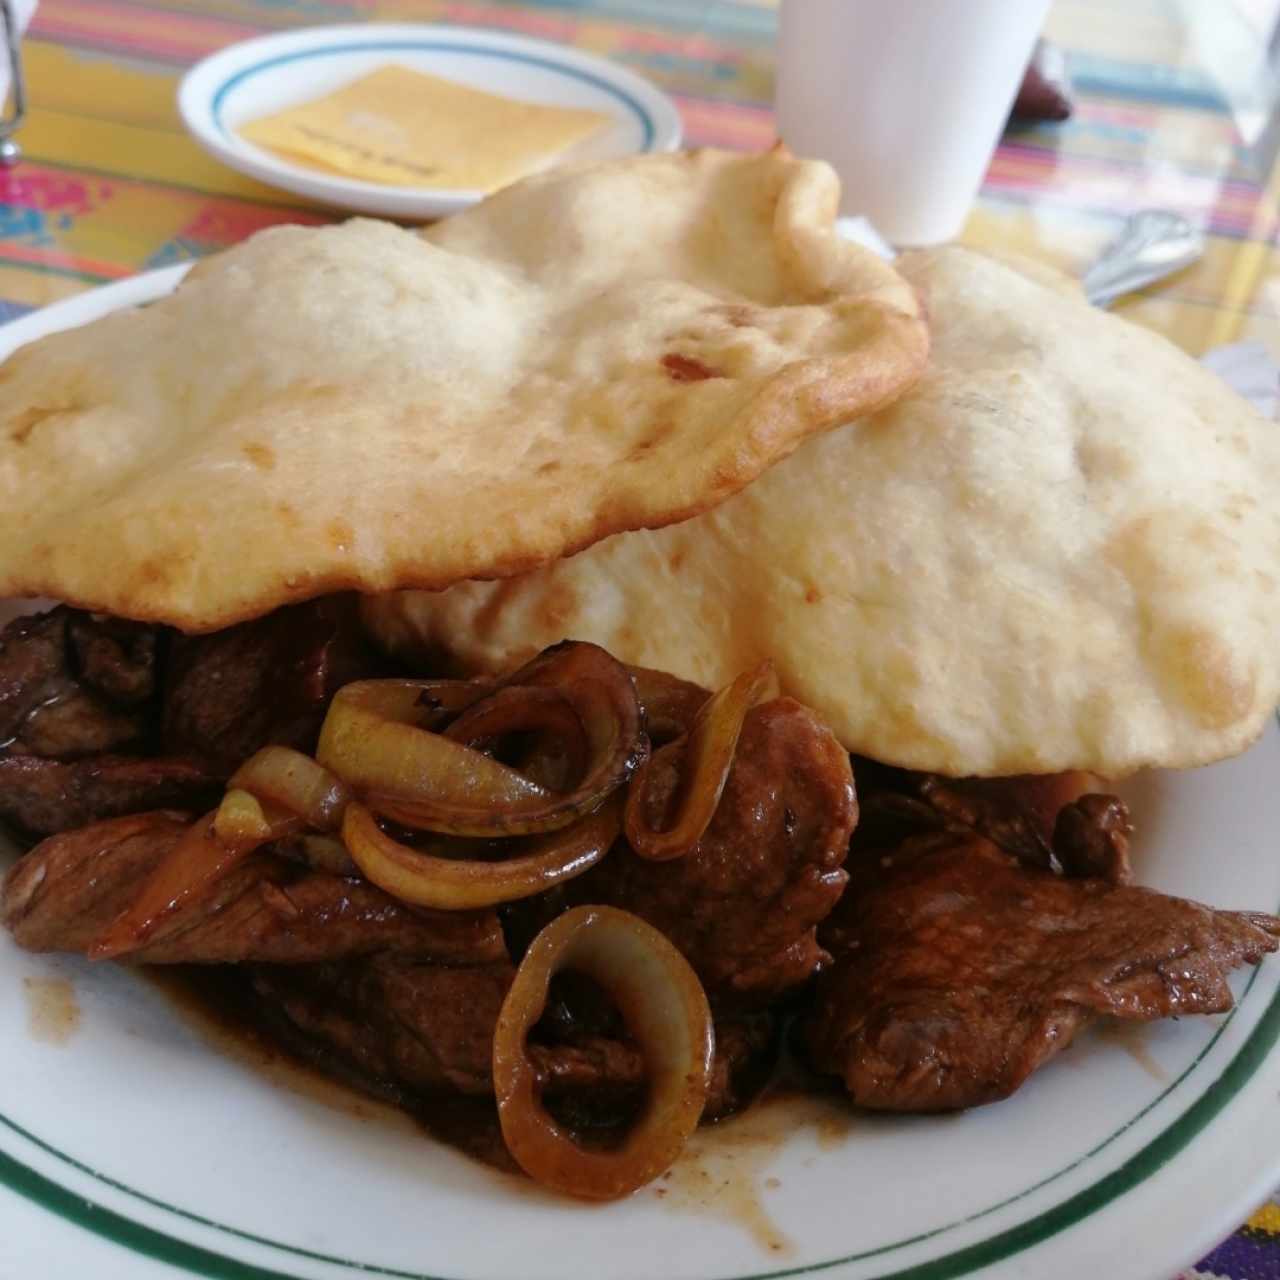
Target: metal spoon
x,y
1153,243
10,151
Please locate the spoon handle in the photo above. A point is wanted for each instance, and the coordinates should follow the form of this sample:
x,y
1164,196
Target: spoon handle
x,y
11,50
1154,243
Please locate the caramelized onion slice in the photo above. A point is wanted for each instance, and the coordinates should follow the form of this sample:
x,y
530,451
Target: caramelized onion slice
x,y
455,884
274,794
296,783
199,860
364,743
665,1010
574,691
244,821
545,713
423,703
669,703
708,751
597,687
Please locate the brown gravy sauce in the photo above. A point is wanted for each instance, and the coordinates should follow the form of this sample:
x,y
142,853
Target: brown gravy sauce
x,y
53,1013
723,1171
209,1008
720,1174
1132,1038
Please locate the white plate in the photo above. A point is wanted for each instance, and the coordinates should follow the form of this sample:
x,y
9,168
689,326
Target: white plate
x,y
1125,1158
257,77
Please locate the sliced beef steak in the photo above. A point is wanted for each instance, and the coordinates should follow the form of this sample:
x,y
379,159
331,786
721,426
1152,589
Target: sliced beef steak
x,y
115,657
73,685
33,667
44,797
1091,839
1017,813
288,917
64,893
270,680
743,904
960,970
75,690
419,1027
422,1029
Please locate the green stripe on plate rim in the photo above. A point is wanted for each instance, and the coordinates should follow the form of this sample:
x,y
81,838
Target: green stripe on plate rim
x,y
199,1261
437,46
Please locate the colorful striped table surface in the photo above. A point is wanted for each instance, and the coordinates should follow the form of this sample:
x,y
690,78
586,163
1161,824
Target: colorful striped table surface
x,y
113,185
1173,109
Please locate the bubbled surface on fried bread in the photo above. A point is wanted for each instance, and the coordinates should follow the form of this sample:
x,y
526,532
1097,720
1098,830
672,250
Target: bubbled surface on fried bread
x,y
1060,550
368,407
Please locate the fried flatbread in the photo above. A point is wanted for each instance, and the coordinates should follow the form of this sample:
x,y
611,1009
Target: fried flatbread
x,y
1061,550
367,407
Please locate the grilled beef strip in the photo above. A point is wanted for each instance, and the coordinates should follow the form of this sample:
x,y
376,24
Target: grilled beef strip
x,y
46,797
33,668
960,969
80,695
987,922
421,1027
744,903
1018,813
1091,839
74,685
427,1030
77,690
64,893
267,681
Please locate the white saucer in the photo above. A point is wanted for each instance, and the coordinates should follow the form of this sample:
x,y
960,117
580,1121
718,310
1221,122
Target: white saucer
x,y
257,77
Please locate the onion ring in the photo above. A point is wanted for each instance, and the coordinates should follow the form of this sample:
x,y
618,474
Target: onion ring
x,y
424,879
525,709
372,739
366,743
601,692
669,703
422,703
294,782
665,1009
243,821
708,749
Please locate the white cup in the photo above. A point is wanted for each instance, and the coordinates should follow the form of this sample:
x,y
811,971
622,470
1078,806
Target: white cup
x,y
906,98
22,11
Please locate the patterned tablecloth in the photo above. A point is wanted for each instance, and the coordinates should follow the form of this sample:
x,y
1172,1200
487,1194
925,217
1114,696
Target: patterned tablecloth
x,y
1174,109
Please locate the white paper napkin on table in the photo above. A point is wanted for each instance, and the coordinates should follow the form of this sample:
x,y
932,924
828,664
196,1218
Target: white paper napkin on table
x,y
1247,367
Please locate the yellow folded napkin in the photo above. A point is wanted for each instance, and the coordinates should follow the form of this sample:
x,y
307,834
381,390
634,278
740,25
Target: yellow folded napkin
x,y
408,129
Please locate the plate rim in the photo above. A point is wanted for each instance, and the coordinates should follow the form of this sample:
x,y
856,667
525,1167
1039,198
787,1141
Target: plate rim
x,y
1240,1070
197,1260
201,89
